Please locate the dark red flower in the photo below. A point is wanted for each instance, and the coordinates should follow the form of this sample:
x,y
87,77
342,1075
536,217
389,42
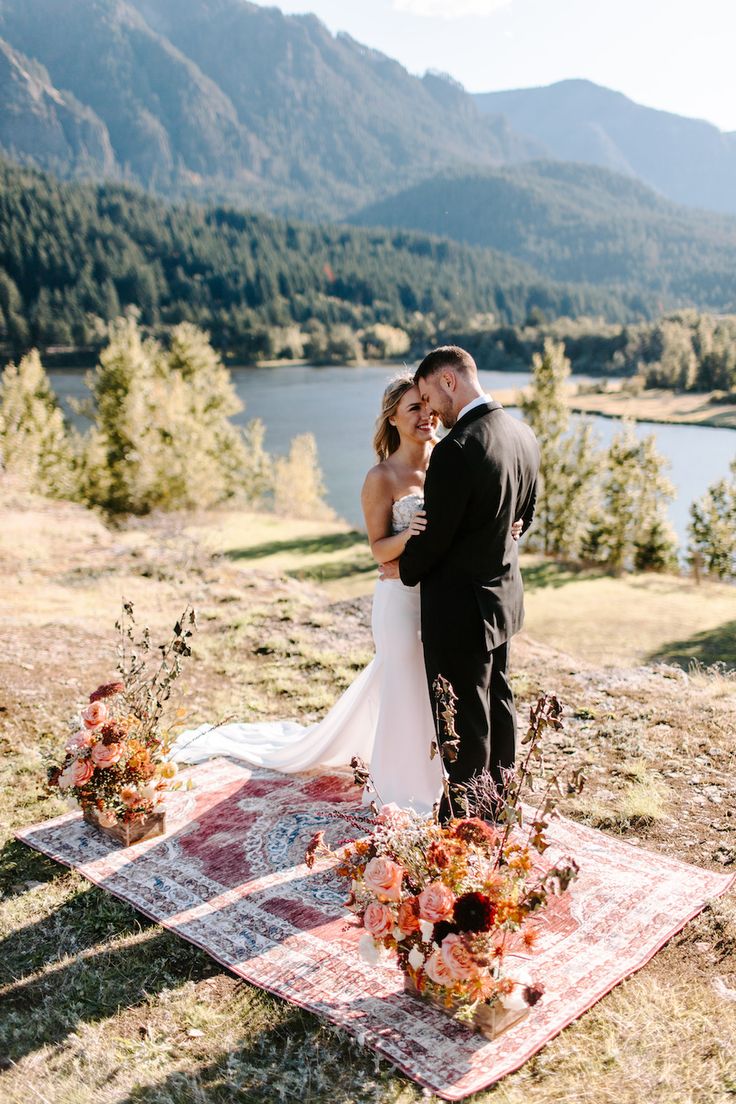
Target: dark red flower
x,y
474,912
533,994
107,690
443,928
112,732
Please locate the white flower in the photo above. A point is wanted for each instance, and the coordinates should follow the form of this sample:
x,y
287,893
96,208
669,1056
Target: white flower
x,y
426,929
416,958
370,951
514,1001
65,779
398,935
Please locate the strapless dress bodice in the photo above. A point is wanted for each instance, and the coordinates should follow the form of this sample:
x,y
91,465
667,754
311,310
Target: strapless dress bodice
x,y
403,511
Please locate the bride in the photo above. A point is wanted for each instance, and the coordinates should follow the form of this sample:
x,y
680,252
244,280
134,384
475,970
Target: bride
x,y
385,715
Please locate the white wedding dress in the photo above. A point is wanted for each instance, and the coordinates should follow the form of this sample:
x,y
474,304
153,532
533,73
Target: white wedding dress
x,y
383,717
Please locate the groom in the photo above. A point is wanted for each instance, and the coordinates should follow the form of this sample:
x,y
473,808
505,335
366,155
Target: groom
x,y
481,478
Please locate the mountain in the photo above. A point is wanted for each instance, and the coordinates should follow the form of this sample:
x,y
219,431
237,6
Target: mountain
x,y
226,99
40,123
687,160
577,222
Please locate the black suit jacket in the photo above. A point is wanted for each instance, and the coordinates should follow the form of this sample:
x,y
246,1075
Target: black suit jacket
x,y
481,478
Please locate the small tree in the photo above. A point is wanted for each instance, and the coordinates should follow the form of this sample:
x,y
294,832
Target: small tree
x,y
34,444
162,435
633,530
569,461
298,488
712,528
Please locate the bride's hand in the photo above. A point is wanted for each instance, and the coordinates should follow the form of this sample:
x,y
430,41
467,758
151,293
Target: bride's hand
x,y
516,529
417,524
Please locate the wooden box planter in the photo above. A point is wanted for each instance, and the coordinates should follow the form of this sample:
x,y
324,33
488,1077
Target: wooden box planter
x,y
126,834
490,1020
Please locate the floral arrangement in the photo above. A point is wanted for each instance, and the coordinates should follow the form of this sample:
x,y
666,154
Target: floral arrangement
x,y
115,764
454,904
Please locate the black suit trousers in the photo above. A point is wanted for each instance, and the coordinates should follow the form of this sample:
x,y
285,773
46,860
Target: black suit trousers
x,y
485,720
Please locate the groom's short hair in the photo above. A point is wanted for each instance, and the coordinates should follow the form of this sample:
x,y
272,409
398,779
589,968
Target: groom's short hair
x,y
447,356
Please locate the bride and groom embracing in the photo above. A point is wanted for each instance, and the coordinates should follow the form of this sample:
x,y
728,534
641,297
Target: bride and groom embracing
x,y
443,519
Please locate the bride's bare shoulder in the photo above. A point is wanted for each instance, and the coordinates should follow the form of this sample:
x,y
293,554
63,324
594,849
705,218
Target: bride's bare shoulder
x,y
379,481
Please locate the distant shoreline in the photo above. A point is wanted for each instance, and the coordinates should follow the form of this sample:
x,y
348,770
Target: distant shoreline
x,y
660,406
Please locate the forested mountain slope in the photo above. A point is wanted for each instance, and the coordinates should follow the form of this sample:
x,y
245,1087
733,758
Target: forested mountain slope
x,y
577,222
74,255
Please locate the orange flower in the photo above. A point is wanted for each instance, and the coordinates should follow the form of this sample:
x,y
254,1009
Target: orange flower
x,y
408,915
129,796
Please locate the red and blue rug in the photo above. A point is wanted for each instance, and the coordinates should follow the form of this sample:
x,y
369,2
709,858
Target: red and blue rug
x,y
229,876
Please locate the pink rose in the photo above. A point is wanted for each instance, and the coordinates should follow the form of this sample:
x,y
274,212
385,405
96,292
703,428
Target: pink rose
x,y
436,902
457,958
378,920
437,971
392,816
80,771
79,740
383,877
104,755
94,714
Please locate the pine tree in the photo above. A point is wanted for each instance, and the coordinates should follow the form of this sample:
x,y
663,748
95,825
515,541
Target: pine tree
x,y
162,437
34,444
569,460
128,394
634,531
712,528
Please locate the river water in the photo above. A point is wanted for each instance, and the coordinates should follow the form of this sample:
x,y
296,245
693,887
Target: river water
x,y
339,406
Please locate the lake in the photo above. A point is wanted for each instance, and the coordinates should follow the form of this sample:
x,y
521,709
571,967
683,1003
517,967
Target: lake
x,y
339,406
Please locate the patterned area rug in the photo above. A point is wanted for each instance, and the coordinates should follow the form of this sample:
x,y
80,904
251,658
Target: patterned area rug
x,y
229,877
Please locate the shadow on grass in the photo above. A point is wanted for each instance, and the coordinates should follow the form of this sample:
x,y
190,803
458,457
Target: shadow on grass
x,y
295,1056
708,647
307,546
80,922
20,863
551,574
42,1011
334,569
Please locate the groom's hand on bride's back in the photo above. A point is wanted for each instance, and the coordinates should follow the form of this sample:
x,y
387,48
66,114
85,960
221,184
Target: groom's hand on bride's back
x,y
389,570
517,529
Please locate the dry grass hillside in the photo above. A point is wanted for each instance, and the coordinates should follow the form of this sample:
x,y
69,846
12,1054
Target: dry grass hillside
x,y
98,1003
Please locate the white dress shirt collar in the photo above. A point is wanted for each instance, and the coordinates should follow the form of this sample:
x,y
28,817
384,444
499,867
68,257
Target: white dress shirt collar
x,y
481,400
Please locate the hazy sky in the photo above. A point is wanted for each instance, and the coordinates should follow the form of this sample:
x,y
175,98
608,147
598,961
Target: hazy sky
x,y
678,55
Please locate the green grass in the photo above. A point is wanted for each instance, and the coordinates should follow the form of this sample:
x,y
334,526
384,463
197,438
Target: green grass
x,y
303,546
710,646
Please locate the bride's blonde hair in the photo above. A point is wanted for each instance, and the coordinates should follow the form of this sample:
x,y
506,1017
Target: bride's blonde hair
x,y
386,438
